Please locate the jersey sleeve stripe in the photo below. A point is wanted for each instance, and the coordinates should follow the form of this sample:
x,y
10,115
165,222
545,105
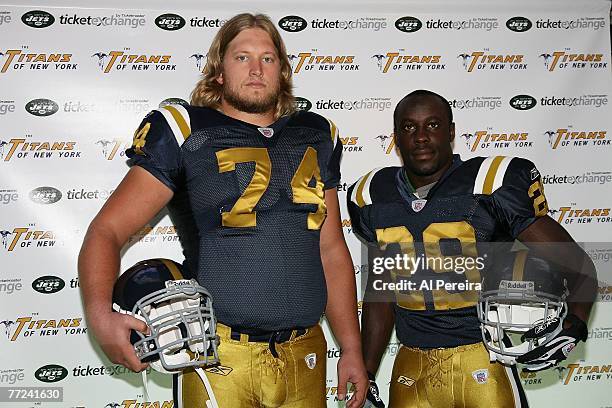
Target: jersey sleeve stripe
x,y
357,196
482,173
181,116
333,130
361,193
518,269
176,274
501,173
173,123
490,177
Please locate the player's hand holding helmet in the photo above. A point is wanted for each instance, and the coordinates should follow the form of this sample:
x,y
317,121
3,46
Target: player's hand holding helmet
x,y
558,348
177,311
522,310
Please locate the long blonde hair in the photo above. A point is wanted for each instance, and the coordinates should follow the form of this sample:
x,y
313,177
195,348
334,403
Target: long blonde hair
x,y
208,91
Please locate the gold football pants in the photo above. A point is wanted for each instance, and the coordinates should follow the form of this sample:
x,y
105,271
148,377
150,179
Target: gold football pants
x,y
457,377
250,376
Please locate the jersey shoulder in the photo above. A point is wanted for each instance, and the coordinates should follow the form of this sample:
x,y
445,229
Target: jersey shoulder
x,y
486,175
376,186
163,125
312,120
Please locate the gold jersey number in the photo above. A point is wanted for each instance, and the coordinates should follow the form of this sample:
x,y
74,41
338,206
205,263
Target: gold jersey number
x,y
242,214
432,235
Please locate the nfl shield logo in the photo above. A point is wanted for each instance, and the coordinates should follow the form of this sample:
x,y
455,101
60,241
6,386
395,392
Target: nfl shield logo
x,y
417,205
568,348
311,360
267,132
481,376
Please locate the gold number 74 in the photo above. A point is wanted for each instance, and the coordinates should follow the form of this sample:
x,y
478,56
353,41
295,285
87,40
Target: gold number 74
x,y
242,214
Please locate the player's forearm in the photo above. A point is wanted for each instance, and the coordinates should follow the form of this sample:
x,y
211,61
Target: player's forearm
x,y
583,289
98,267
341,310
377,321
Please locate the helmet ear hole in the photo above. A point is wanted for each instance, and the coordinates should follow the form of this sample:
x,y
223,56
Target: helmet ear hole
x,y
179,314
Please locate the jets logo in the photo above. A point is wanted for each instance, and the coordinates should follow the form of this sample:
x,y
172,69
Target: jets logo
x,y
408,24
292,24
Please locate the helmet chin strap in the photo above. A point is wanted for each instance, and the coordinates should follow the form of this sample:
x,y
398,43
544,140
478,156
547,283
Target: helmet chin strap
x,y
212,402
494,355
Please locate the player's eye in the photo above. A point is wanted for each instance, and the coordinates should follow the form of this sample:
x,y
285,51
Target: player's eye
x,y
242,58
433,125
409,127
268,59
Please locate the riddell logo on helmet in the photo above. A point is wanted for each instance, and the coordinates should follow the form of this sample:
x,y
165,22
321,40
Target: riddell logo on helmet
x,y
516,285
179,283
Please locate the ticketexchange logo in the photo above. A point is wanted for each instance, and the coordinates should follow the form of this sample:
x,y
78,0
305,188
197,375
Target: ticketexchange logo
x,y
110,20
591,177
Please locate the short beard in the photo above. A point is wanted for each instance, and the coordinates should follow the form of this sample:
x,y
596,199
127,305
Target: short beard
x,y
261,105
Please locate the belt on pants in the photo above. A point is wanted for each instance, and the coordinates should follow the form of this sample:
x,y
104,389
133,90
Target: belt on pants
x,y
271,337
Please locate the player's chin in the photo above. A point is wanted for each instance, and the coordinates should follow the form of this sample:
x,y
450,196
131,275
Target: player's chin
x,y
423,167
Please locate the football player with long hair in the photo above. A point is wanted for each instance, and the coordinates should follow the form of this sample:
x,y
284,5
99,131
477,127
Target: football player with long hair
x,y
250,185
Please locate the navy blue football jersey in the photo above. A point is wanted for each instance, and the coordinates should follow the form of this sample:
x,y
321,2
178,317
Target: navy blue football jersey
x,y
476,202
248,206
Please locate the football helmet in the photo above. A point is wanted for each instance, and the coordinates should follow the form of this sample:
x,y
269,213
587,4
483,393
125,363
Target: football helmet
x,y
520,293
178,311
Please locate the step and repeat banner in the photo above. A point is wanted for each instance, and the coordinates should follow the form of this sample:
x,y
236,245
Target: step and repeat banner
x,y
525,79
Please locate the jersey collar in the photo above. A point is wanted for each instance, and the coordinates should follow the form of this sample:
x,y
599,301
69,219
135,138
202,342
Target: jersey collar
x,y
406,189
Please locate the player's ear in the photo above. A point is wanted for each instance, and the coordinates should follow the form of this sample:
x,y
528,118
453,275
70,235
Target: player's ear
x,y
452,131
219,79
